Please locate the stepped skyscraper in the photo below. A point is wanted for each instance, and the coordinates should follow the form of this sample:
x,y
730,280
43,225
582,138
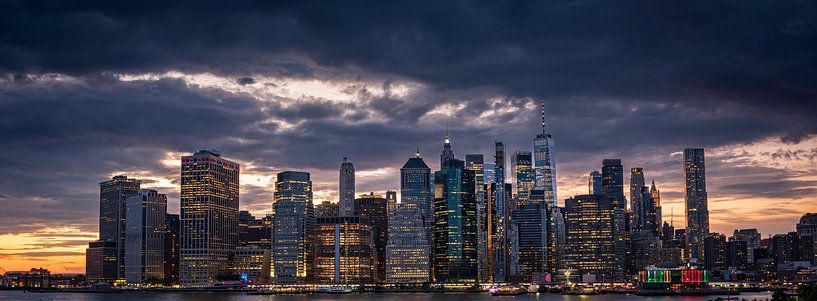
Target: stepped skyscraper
x,y
346,188
415,189
544,165
697,211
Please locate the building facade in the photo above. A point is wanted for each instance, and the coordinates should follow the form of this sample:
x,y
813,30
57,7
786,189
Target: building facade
x,y
345,251
415,190
695,196
346,187
375,210
455,227
589,240
113,195
145,237
408,251
293,229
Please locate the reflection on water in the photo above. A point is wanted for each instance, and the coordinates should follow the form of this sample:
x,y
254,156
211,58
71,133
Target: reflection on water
x,y
191,296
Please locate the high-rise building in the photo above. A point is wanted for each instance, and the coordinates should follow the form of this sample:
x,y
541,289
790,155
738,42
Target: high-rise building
x,y
476,163
172,248
455,225
752,239
697,212
521,164
327,209
531,222
501,215
594,183
808,227
209,217
636,185
544,163
407,252
447,153
145,236
293,229
252,264
344,251
254,232
655,213
112,210
100,261
714,256
346,188
391,201
415,190
735,255
590,229
374,208
612,182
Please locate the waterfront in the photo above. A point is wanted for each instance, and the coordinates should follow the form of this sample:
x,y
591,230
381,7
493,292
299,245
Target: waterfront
x,y
197,296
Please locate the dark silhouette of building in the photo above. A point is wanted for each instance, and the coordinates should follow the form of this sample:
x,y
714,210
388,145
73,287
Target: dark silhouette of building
x,y
455,224
375,209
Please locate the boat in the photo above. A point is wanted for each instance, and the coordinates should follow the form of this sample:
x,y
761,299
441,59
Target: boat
x,y
333,290
507,290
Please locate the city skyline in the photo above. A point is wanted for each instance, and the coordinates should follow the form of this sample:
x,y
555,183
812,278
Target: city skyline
x,y
87,113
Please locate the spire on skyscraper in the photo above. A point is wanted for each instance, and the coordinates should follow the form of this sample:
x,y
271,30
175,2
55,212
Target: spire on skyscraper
x,y
543,117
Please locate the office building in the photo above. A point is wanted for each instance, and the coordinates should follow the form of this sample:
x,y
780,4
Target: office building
x,y
714,256
447,153
209,217
612,182
476,163
594,183
112,210
344,251
521,165
254,231
145,236
374,208
500,216
252,264
346,188
391,202
293,229
544,163
455,226
408,251
697,212
415,190
327,209
589,239
636,185
171,255
101,261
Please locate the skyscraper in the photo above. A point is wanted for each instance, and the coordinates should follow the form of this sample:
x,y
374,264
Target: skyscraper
x,y
500,218
327,209
344,251
209,217
476,163
544,163
594,183
531,223
523,175
346,187
752,239
391,201
697,212
293,229
145,236
612,182
374,208
636,185
415,190
407,252
254,232
590,236
447,153
172,248
455,225
113,195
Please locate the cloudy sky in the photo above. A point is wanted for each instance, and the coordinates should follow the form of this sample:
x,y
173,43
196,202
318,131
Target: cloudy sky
x,y
92,90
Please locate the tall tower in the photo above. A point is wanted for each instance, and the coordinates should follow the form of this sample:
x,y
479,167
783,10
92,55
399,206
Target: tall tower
x,y
656,198
476,163
447,153
455,225
594,183
145,236
415,190
544,163
697,212
521,166
293,229
612,182
500,219
346,189
209,217
113,195
636,204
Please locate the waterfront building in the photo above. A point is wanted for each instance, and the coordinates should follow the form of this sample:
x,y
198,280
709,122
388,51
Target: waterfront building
x,y
101,261
544,163
171,255
113,195
791,247
714,246
521,164
374,208
252,264
346,188
807,226
531,224
327,209
344,251
209,217
408,251
695,196
594,183
735,254
455,227
254,231
476,163
589,239
501,216
145,236
646,250
293,229
612,182
415,190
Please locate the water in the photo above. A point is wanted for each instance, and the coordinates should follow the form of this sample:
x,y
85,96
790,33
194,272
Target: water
x,y
194,296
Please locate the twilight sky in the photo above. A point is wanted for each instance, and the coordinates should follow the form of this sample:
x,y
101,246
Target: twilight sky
x,y
92,90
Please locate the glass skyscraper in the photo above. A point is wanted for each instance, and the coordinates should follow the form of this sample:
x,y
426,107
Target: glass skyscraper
x,y
209,217
293,229
612,182
697,212
544,163
455,225
521,163
145,236
415,178
113,195
346,188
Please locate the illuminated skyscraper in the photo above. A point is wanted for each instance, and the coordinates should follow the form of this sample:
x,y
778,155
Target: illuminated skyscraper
x,y
531,224
523,175
113,195
455,225
415,190
612,182
697,212
407,252
327,209
590,225
500,216
145,236
391,201
209,217
448,153
346,188
374,208
344,251
544,163
100,261
636,185
293,229
594,183
476,163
